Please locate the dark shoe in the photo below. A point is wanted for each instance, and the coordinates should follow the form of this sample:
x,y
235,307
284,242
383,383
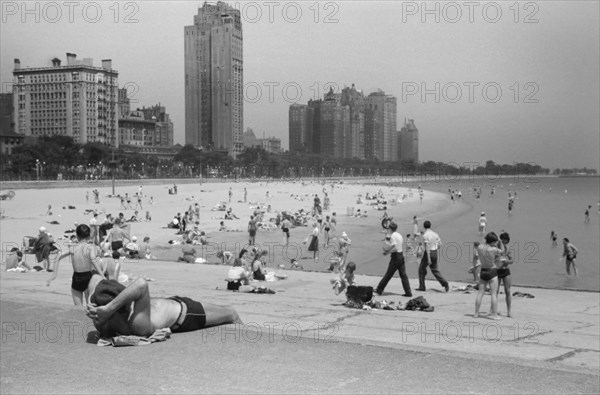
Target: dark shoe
x,y
421,289
447,287
407,295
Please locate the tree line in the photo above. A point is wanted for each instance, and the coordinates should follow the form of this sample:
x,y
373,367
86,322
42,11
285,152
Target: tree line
x,y
52,157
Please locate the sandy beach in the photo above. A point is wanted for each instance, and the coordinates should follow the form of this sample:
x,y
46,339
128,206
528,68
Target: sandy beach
x,y
27,212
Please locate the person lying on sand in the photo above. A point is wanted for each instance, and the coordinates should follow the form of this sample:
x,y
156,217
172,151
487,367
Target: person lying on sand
x,y
119,310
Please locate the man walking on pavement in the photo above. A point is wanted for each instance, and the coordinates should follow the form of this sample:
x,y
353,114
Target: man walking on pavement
x,y
393,246
432,243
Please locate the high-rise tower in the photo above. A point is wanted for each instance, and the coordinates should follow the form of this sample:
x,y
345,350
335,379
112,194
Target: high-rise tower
x,y
381,137
214,79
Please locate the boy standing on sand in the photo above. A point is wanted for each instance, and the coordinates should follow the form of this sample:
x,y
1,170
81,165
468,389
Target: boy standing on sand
x,y
251,231
85,262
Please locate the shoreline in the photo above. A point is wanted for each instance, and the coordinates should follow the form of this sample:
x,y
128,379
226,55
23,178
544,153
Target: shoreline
x,y
383,181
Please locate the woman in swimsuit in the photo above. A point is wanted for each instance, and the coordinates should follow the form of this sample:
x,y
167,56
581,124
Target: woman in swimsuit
x,y
258,272
504,276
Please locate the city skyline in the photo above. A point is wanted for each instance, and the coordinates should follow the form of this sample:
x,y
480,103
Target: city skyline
x,y
505,89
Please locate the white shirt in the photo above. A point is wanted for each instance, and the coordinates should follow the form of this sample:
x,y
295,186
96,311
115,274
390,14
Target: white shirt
x,y
132,246
432,240
482,221
93,221
397,242
236,273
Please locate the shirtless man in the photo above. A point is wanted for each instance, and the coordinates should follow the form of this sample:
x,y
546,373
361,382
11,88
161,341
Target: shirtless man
x,y
117,236
116,310
85,261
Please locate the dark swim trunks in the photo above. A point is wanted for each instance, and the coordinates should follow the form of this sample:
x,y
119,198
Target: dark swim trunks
x,y
195,317
116,245
503,273
81,280
488,274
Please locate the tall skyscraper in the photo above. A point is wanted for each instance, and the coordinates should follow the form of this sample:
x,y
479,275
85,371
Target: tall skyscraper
x,y
331,125
301,128
214,79
77,100
409,143
381,136
354,141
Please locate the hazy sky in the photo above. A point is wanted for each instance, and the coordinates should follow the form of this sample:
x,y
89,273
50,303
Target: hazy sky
x,y
515,81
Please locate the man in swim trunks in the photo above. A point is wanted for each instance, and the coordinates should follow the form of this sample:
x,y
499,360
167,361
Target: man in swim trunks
x,y
489,256
119,310
85,261
285,228
117,235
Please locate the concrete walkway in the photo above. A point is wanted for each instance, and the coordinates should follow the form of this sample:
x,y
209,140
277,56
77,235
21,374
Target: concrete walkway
x,y
556,330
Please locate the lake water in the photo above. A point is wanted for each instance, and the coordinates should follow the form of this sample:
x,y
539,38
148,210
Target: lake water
x,y
543,204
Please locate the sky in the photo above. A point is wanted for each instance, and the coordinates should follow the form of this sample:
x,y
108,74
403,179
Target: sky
x,y
502,81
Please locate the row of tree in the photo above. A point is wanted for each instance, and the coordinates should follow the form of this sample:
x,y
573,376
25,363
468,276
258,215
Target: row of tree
x,y
52,157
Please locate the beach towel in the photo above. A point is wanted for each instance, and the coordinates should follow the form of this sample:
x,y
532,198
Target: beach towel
x,y
159,335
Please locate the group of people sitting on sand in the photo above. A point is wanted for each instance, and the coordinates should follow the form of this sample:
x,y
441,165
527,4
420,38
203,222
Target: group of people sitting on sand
x,y
247,266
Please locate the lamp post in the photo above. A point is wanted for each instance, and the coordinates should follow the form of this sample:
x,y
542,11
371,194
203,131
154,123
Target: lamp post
x,y
37,169
114,168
